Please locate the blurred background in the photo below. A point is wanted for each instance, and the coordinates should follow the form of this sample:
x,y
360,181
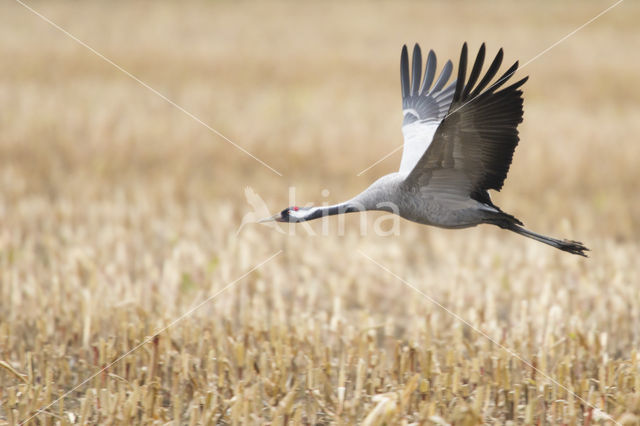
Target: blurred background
x,y
118,211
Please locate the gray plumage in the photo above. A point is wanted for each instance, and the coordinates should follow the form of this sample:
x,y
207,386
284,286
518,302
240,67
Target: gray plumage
x,y
459,143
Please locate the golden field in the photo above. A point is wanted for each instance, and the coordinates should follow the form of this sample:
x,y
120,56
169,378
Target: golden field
x,y
119,216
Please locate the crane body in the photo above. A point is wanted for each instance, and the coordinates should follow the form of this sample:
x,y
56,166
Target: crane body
x,y
459,140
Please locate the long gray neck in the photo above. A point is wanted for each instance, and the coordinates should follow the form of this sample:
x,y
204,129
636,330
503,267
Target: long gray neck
x,y
342,208
381,195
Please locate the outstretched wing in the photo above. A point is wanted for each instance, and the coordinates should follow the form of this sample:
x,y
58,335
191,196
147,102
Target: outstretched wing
x,y
423,106
474,144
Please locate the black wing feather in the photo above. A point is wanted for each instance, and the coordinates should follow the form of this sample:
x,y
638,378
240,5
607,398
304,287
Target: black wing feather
x,y
475,72
491,72
404,72
503,79
417,69
444,76
462,72
429,72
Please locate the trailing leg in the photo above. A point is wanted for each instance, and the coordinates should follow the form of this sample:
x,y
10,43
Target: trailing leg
x,y
573,247
506,221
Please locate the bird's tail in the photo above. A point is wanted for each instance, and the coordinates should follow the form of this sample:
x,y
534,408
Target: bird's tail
x,y
509,222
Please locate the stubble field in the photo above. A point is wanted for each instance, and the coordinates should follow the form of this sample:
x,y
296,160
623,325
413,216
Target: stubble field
x,y
119,218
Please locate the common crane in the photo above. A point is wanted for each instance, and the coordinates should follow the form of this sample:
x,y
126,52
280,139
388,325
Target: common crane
x,y
458,143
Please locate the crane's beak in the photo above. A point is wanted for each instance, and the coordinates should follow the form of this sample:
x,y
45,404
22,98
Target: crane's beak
x,y
275,218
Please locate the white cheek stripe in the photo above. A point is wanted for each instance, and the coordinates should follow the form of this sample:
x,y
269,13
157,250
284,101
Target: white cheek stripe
x,y
302,213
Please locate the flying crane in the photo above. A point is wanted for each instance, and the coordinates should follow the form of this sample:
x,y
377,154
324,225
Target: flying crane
x,y
459,140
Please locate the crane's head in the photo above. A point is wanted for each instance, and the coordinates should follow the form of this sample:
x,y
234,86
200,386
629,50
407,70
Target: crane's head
x,y
291,214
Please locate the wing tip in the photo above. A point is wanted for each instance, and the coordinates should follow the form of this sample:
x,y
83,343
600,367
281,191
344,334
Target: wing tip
x,y
476,71
404,71
429,72
462,70
416,69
